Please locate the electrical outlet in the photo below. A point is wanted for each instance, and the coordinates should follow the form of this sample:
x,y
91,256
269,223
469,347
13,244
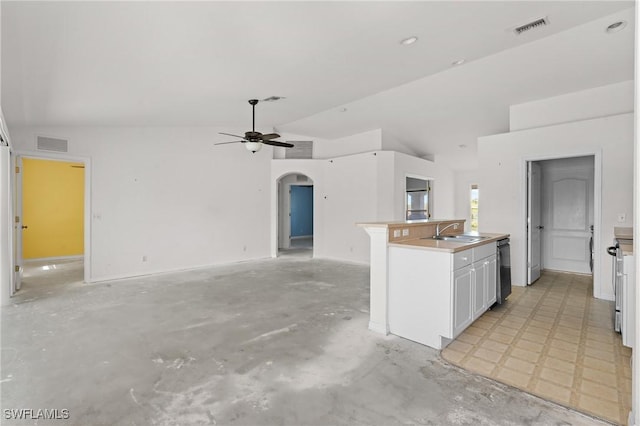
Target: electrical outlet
x,y
405,232
396,233
622,217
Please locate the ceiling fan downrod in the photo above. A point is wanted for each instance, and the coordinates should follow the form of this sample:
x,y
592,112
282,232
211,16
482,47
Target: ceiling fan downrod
x,y
253,103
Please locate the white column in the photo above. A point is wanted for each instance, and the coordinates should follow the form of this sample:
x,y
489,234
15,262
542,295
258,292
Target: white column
x,y
379,273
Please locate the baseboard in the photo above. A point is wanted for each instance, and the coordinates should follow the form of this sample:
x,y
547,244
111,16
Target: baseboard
x,y
54,259
117,277
379,328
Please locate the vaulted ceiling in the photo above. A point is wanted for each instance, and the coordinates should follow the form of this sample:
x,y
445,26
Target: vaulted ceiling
x,y
197,63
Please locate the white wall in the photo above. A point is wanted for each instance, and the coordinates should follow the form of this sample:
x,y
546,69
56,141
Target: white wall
x,y
443,193
502,158
462,207
602,101
391,143
350,196
354,144
366,187
170,195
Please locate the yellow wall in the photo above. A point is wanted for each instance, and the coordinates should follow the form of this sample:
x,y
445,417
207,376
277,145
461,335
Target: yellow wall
x,y
52,208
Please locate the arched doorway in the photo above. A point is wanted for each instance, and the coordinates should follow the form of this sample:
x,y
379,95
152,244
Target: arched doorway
x,y
295,215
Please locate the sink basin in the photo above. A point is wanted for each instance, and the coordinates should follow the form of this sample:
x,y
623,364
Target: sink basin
x,y
458,238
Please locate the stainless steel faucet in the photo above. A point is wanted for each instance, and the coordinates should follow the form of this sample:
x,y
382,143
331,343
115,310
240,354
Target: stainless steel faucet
x,y
438,230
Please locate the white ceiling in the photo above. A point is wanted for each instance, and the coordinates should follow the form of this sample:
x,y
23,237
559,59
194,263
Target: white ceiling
x,y
197,63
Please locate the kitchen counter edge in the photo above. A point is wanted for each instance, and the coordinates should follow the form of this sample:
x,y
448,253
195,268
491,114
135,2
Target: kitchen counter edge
x,y
447,246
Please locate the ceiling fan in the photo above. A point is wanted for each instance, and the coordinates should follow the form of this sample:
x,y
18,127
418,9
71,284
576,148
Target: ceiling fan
x,y
254,140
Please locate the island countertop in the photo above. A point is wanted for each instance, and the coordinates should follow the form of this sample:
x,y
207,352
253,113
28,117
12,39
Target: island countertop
x,y
449,246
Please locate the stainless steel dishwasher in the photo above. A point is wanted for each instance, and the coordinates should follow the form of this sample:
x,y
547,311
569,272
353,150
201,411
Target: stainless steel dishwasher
x,y
503,273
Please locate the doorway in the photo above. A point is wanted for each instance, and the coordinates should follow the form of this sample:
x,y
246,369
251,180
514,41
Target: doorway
x,y
51,199
561,215
301,216
296,215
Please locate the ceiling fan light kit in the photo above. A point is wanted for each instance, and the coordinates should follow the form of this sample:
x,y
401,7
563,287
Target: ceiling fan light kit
x,y
253,146
253,140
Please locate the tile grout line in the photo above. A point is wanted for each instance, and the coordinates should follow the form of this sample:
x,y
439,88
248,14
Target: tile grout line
x,y
567,313
518,335
579,371
544,355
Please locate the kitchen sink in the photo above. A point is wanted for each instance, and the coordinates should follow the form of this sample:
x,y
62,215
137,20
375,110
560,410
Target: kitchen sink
x,y
457,238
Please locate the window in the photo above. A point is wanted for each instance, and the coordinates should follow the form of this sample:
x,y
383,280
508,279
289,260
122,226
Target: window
x,y
475,194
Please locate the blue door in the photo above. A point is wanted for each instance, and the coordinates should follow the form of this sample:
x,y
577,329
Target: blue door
x,y
301,211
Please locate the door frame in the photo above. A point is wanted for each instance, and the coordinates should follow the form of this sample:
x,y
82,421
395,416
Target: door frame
x,y
597,209
404,194
529,234
278,189
38,155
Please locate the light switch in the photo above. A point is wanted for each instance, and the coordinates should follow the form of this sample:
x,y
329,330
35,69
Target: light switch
x,y
396,233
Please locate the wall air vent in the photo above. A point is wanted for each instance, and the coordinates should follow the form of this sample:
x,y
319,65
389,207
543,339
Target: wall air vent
x,y
541,22
51,144
301,150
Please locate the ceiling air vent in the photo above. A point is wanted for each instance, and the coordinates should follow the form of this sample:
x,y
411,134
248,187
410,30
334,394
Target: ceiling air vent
x,y
541,22
301,150
51,144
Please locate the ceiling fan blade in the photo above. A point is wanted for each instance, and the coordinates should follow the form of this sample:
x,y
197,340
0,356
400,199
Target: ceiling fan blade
x,y
276,143
224,143
270,136
229,134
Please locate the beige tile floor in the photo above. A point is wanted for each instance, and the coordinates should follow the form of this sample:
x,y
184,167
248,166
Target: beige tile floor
x,y
554,340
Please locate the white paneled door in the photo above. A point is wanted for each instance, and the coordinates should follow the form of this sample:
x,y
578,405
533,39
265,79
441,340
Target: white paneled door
x,y
567,213
534,221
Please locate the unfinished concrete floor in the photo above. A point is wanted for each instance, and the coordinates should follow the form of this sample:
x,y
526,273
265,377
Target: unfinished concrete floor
x,y
272,342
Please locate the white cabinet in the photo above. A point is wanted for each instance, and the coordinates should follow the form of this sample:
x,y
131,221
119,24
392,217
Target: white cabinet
x,y
485,286
479,288
434,295
462,296
474,286
491,269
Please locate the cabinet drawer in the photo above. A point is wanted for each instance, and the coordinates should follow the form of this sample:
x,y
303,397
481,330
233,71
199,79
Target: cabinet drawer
x,y
462,259
483,251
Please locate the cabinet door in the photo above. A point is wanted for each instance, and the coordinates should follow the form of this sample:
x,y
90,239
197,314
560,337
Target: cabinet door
x,y
479,278
491,284
462,301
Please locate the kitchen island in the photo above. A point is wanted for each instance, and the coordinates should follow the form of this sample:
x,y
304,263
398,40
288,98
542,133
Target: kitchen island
x,y
428,280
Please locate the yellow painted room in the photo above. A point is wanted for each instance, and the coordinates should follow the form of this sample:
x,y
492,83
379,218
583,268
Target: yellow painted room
x,y
53,209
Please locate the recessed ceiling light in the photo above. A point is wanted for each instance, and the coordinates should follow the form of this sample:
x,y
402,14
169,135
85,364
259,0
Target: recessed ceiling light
x,y
458,62
616,26
408,41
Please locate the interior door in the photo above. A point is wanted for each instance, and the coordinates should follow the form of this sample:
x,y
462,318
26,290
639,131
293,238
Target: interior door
x,y
17,225
567,213
534,221
301,205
